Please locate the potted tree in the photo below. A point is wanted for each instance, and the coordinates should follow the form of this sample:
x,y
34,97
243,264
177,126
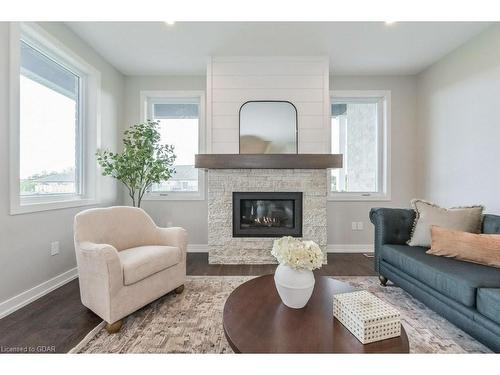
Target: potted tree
x,y
144,160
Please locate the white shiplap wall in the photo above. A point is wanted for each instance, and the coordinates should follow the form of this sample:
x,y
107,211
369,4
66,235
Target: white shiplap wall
x,y
304,81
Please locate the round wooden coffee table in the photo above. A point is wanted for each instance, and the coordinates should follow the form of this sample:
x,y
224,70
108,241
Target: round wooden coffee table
x,y
256,321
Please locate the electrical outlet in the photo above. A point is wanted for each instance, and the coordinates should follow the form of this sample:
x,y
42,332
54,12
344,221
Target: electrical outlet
x,y
354,226
360,225
54,248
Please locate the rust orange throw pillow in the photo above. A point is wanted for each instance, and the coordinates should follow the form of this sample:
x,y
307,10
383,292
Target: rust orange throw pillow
x,y
470,247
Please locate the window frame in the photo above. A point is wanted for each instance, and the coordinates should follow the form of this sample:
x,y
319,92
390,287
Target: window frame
x,y
88,124
155,95
383,147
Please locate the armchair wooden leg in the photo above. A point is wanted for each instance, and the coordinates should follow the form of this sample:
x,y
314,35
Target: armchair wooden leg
x,y
383,280
179,289
114,327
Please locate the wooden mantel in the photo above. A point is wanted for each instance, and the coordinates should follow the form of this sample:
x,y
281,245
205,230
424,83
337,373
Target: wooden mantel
x,y
268,161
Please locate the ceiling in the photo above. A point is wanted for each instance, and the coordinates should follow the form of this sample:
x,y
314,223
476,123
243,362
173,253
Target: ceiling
x,y
354,48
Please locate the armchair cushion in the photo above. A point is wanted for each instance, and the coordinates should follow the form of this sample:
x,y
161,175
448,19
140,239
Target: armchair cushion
x,y
141,262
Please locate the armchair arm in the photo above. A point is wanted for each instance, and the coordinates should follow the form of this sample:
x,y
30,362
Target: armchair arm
x,y
100,273
392,226
174,236
92,249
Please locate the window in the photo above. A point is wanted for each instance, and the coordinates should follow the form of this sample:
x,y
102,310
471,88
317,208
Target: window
x,y
179,115
50,122
359,131
53,123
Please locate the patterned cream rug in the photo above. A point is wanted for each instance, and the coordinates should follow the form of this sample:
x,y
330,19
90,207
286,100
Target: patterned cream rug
x,y
192,322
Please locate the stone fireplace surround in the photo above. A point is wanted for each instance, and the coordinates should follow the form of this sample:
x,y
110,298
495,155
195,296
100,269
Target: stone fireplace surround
x,y
232,81
223,248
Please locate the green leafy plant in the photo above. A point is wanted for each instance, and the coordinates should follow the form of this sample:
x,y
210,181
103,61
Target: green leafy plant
x,y
143,161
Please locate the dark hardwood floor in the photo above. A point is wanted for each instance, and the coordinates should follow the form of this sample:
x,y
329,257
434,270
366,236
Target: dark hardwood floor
x,y
58,321
338,265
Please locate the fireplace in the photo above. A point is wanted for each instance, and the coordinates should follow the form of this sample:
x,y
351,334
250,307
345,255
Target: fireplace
x,y
262,214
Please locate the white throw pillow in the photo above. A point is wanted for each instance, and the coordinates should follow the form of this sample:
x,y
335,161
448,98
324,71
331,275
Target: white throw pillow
x,y
465,219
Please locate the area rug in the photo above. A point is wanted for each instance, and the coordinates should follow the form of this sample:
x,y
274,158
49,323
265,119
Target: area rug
x,y
192,322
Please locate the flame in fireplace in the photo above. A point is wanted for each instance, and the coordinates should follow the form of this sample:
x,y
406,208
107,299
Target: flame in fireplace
x,y
267,220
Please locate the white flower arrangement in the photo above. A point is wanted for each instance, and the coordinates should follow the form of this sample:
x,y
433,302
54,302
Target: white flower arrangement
x,y
297,254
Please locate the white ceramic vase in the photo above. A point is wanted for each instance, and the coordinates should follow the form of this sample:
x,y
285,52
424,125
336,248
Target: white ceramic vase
x,y
295,287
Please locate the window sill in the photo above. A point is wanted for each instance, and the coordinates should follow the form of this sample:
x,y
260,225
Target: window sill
x,y
26,208
174,196
352,197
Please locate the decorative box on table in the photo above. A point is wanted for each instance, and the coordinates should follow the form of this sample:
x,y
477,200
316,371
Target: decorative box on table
x,y
367,317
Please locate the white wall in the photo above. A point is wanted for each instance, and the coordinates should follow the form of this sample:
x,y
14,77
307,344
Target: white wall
x,y
459,125
191,215
232,81
25,239
403,156
448,153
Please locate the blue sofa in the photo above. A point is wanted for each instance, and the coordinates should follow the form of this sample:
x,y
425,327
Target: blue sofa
x,y
466,294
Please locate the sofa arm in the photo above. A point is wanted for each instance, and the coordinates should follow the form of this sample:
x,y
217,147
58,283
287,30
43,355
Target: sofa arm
x,y
174,236
491,224
392,226
100,276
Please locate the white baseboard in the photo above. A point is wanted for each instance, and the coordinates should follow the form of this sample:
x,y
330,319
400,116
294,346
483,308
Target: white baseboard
x,y
197,248
15,303
368,248
203,248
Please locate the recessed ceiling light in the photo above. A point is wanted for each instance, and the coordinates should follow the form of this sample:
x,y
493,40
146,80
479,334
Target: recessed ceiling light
x,y
169,23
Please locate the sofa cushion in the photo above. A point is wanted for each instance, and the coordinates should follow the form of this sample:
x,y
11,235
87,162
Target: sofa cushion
x,y
488,303
465,219
469,247
455,279
143,261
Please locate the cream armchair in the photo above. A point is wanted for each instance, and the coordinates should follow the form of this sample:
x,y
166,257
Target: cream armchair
x,y
125,261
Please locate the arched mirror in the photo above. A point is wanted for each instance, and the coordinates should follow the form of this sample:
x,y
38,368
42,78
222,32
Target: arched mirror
x,y
268,127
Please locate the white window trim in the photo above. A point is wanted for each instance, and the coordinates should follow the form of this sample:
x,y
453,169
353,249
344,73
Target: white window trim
x,y
90,124
384,148
179,196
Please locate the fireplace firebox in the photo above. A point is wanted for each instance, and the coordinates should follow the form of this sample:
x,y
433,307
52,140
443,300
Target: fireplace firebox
x,y
261,214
